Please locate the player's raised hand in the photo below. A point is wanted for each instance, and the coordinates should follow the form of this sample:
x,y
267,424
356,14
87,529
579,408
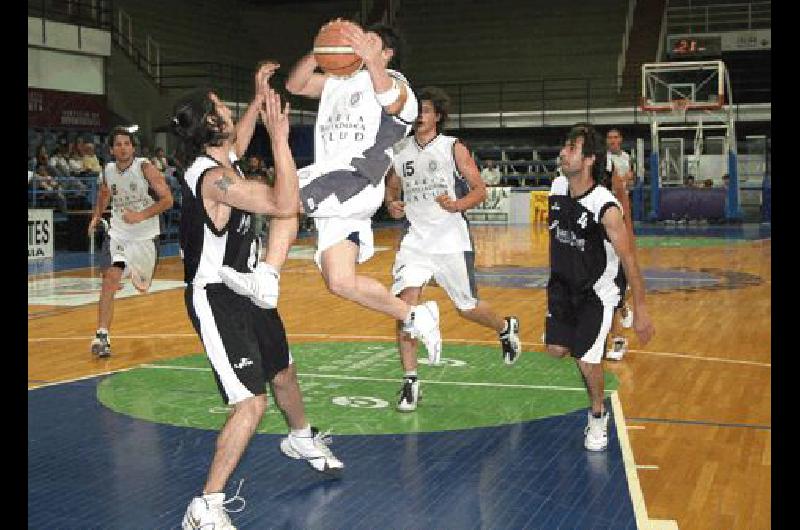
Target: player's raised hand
x,y
396,209
368,46
447,203
263,74
642,325
275,120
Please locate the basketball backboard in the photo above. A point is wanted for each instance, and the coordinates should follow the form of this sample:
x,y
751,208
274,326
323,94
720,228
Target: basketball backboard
x,y
697,84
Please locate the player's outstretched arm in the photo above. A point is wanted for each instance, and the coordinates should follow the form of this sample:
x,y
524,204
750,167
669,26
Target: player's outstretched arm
x,y
618,235
282,231
303,81
247,123
620,190
469,170
103,198
158,184
276,120
392,196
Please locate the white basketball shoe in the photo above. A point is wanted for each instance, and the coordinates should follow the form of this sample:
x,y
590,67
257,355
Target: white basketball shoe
x,y
627,316
509,341
409,395
314,449
209,513
618,348
596,432
423,323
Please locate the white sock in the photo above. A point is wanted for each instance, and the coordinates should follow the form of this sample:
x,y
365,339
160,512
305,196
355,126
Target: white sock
x,y
410,373
102,330
305,432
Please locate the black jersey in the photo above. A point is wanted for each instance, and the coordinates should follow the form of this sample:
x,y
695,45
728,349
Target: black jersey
x,y
582,260
206,249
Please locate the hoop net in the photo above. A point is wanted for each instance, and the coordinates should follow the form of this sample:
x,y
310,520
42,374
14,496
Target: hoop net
x,y
679,107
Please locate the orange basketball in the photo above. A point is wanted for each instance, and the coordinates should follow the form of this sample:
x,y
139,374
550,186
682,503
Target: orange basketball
x,y
332,52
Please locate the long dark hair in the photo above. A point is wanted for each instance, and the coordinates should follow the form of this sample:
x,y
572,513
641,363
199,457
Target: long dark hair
x,y
191,124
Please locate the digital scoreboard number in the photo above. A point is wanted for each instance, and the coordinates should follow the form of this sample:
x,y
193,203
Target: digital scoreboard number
x,y
694,46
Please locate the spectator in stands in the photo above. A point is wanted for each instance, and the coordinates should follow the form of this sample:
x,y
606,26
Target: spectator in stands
x,y
75,159
708,183
255,169
80,144
59,163
42,157
690,181
47,188
90,162
726,180
160,160
490,174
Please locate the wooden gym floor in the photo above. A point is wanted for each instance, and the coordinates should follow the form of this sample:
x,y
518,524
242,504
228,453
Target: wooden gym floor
x,y
696,399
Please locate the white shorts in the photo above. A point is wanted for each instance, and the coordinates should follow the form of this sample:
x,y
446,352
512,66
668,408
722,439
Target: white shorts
x,y
333,230
455,273
137,255
336,189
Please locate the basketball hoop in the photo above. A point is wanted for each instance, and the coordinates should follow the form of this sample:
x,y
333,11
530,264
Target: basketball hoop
x,y
679,107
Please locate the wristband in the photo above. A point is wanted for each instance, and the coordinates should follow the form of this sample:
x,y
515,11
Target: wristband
x,y
390,96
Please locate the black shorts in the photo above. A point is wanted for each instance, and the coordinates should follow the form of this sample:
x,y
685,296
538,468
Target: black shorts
x,y
580,323
245,344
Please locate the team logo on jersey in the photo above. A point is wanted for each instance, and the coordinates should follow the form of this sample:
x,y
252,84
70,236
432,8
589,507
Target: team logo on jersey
x,y
244,224
133,186
555,207
432,165
355,99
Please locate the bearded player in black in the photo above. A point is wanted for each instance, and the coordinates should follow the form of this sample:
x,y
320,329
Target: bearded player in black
x,y
588,244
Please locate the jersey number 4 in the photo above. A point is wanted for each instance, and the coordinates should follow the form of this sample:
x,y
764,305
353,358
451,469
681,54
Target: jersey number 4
x,y
408,168
582,220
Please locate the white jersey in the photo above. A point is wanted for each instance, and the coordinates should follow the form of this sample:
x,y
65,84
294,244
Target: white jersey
x,y
350,121
426,172
621,162
130,190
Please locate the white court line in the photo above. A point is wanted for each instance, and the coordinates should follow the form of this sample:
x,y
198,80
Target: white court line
x,y
90,376
643,521
387,380
644,466
392,338
636,427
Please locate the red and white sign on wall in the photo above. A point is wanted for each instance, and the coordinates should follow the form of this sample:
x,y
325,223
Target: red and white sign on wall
x,y
56,108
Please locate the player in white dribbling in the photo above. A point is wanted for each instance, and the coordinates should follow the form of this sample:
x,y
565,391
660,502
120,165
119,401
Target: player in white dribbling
x,y
358,121
432,182
138,193
618,166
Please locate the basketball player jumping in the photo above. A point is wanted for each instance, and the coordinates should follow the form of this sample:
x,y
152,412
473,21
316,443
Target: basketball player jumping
x,y
618,165
358,121
246,345
433,181
138,193
588,242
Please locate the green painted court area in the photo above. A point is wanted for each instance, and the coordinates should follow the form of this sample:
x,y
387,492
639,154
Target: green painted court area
x,y
351,388
685,242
